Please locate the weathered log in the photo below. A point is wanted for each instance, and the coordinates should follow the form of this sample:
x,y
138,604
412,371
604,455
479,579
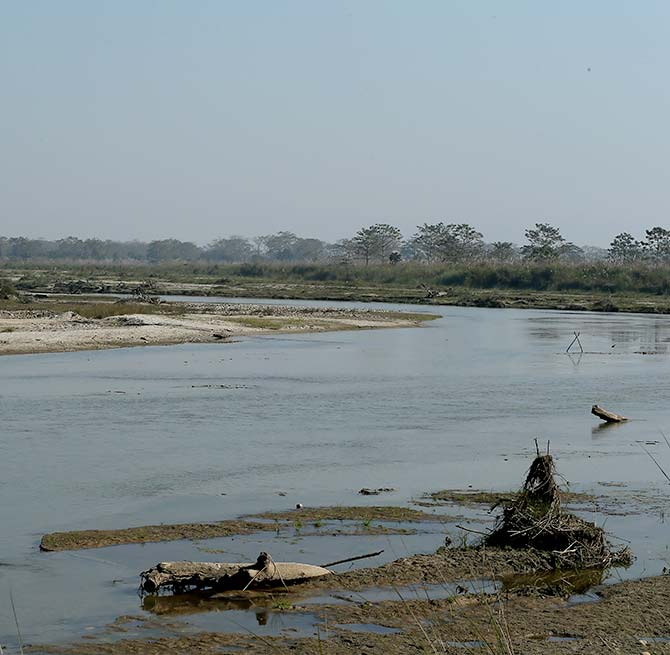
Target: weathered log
x,y
220,576
610,417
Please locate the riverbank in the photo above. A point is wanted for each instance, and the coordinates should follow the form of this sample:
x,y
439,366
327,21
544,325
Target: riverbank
x,y
575,288
59,325
575,301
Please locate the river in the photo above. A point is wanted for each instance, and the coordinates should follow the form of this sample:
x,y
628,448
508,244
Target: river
x,y
114,438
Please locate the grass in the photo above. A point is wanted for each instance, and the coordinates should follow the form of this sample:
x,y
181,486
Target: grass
x,y
106,309
598,286
602,277
93,309
362,513
265,522
474,497
264,323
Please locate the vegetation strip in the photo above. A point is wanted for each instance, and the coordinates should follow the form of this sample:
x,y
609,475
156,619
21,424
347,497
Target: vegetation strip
x,y
602,286
271,521
373,513
492,498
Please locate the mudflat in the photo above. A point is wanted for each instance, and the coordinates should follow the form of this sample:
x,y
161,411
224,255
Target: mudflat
x,y
624,618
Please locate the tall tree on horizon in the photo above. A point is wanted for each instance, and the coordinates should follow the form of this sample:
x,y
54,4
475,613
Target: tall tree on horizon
x,y
657,244
545,243
452,242
376,241
624,249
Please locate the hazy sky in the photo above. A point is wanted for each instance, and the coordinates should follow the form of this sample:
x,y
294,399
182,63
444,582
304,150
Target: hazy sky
x,y
152,119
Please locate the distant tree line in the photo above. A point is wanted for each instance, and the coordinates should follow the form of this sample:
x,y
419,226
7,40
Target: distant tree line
x,y
381,243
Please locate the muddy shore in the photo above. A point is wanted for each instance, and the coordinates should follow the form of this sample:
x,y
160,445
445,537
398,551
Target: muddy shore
x,y
430,607
628,617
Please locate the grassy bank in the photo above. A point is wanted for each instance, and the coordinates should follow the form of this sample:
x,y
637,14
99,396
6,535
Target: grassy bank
x,y
592,287
602,277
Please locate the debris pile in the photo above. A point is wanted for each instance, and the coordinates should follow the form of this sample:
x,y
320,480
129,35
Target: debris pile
x,y
534,521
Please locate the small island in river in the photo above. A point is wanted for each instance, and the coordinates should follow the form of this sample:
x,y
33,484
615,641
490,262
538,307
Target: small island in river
x,y
59,326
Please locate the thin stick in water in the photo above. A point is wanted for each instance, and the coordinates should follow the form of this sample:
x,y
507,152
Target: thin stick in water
x,y
460,527
666,439
16,620
572,343
653,459
352,559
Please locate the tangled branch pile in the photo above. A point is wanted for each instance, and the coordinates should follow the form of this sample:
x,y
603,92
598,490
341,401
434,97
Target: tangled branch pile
x,y
534,520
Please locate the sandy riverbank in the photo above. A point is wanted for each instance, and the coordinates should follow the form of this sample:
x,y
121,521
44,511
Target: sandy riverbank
x,y
46,330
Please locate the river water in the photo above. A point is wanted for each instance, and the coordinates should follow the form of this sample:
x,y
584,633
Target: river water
x,y
126,437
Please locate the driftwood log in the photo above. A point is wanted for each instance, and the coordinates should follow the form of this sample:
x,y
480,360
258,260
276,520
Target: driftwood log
x,y
610,417
220,576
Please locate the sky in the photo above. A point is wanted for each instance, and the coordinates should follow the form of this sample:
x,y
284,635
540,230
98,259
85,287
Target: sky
x,y
149,119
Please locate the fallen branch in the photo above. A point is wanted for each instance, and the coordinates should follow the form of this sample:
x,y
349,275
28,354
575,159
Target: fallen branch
x,y
610,417
220,576
352,559
460,527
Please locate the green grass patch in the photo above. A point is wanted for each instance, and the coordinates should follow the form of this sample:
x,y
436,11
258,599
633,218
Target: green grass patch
x,y
363,514
97,309
79,539
490,498
267,323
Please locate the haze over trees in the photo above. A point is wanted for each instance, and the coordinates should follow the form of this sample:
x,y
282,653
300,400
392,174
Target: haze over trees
x,y
439,243
442,243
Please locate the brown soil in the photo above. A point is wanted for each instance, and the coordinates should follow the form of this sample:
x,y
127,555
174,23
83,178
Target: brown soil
x,y
625,615
447,564
80,539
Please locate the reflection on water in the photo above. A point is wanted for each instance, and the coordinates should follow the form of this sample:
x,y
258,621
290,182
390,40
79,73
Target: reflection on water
x,y
606,427
368,627
627,333
214,431
191,603
560,583
261,602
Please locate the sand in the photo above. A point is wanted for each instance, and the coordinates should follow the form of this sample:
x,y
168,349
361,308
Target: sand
x,y
45,331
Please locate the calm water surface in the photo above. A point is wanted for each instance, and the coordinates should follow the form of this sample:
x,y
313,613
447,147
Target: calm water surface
x,y
125,437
